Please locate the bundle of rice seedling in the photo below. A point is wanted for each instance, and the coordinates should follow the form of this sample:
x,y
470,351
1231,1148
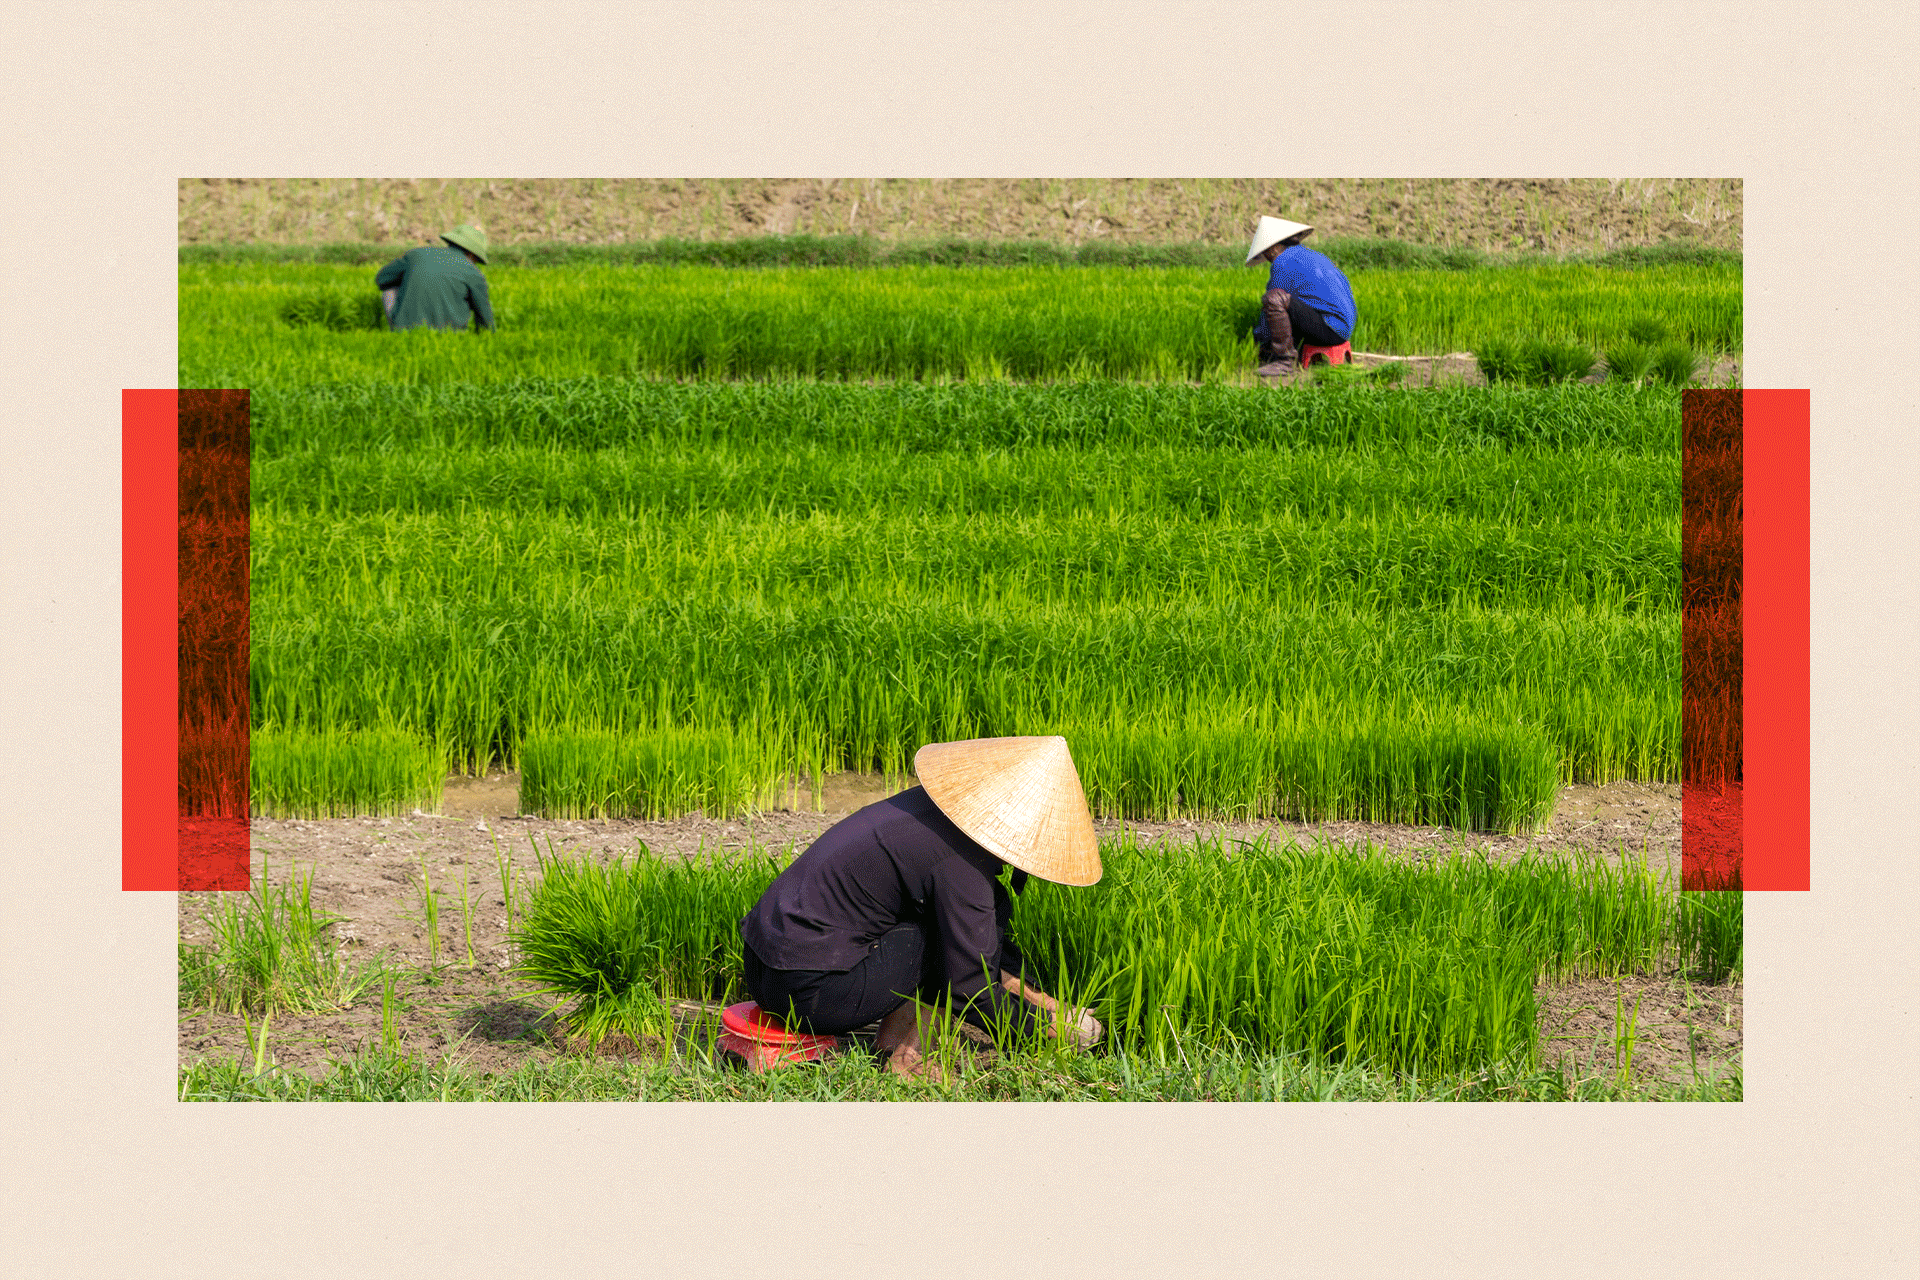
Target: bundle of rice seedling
x,y
1629,361
1560,361
1500,360
1675,363
331,310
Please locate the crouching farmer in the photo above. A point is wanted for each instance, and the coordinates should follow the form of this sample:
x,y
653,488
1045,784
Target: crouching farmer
x,y
1308,300
899,907
438,285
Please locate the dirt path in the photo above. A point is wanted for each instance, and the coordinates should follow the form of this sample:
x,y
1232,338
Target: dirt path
x,y
367,872
1493,214
1459,368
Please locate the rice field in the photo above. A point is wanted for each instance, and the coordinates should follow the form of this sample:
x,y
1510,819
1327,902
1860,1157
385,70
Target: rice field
x,y
680,538
255,324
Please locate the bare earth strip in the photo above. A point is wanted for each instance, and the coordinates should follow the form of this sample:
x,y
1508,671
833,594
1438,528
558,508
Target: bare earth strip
x,y
1494,215
367,871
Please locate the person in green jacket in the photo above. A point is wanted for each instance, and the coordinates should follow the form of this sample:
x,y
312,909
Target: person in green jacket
x,y
437,285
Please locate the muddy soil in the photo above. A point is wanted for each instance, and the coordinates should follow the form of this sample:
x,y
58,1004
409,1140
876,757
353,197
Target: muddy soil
x,y
367,872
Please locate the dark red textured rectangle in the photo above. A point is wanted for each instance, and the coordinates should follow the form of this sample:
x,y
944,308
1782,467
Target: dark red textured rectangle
x,y
184,639
1776,730
1712,829
214,432
149,639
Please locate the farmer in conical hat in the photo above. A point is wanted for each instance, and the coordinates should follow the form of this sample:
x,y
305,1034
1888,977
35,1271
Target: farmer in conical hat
x,y
1308,299
900,906
438,285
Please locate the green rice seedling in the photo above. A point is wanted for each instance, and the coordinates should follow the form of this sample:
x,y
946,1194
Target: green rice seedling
x,y
1626,1029
1629,362
333,773
1390,373
389,1026
272,950
430,915
260,1045
503,862
466,914
1675,363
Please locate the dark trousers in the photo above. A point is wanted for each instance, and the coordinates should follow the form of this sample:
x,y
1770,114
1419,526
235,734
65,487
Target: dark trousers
x,y
1287,324
831,1004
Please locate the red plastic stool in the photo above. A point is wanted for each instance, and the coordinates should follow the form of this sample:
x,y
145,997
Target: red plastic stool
x,y
1342,354
764,1041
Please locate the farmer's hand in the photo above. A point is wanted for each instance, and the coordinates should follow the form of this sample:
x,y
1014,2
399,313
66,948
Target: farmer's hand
x,y
1080,1027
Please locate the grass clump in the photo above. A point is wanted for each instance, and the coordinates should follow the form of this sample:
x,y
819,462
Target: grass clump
x,y
271,952
1201,1073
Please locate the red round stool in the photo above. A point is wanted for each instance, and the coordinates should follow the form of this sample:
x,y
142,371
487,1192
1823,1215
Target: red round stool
x,y
764,1041
1342,354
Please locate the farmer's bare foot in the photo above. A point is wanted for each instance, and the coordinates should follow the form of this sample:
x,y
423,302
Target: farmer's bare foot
x,y
909,1063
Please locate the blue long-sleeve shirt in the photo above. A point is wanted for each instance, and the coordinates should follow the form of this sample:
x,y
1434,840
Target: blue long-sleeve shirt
x,y
1312,278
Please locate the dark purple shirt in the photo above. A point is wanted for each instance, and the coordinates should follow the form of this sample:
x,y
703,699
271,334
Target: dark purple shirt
x,y
895,862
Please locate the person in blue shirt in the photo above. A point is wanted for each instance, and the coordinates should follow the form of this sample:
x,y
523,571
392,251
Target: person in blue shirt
x,y
1308,300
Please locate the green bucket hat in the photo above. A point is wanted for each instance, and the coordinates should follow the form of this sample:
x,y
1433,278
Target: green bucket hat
x,y
469,237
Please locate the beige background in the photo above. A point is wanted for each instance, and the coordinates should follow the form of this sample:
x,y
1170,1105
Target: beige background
x,y
107,105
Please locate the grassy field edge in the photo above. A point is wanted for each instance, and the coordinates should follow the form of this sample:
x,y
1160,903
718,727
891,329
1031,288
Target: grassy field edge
x,y
1352,253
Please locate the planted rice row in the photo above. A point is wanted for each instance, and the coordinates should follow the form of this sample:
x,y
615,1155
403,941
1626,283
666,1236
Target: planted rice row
x,y
863,687
1338,951
543,559
901,420
240,322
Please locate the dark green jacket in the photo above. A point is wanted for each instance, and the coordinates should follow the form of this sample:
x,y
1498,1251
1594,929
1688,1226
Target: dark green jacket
x,y
438,288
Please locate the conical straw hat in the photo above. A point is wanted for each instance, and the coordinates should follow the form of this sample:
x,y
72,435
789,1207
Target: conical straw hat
x,y
469,237
1271,232
1020,799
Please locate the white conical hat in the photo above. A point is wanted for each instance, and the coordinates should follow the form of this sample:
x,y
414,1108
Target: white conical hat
x,y
1271,232
1020,799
